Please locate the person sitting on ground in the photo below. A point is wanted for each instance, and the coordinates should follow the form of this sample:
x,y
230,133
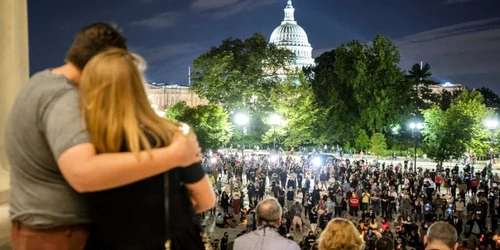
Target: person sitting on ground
x,y
230,221
219,221
384,243
250,221
441,236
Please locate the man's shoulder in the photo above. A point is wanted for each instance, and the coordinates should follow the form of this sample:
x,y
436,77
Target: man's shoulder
x,y
44,87
276,240
45,78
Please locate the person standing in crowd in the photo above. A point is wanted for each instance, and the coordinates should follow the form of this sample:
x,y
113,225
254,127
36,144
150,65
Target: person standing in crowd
x,y
441,236
353,204
365,200
224,242
132,125
406,206
297,218
457,223
438,180
236,201
290,197
53,160
268,216
224,201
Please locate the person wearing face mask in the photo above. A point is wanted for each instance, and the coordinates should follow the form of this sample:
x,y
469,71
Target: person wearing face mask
x,y
459,207
399,243
385,203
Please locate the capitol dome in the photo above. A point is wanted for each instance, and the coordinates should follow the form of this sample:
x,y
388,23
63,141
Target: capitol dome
x,y
290,35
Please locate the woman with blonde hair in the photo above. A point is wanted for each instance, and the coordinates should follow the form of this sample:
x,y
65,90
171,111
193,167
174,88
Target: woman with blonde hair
x,y
119,118
340,234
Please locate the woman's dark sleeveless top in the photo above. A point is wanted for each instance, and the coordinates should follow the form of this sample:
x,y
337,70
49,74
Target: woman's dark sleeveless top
x,y
132,217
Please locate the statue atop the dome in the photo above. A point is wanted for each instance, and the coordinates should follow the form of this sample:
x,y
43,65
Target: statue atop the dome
x,y
289,13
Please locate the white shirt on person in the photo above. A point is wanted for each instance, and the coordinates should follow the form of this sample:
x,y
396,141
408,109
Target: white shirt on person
x,y
264,238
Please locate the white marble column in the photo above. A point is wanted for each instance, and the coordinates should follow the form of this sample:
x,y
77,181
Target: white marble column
x,y
14,66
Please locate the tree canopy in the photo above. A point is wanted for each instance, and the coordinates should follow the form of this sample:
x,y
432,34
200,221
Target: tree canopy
x,y
362,141
304,122
418,77
460,128
240,73
491,99
210,123
378,144
362,87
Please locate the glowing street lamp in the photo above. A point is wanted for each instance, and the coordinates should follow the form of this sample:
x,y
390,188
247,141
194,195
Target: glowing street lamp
x,y
242,120
416,126
491,124
415,130
274,120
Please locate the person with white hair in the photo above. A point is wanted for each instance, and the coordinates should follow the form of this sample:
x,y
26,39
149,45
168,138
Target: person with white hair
x,y
268,216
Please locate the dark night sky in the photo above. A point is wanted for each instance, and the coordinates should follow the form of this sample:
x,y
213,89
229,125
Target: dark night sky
x,y
460,39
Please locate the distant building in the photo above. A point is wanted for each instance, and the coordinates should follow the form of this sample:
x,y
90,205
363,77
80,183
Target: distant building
x,y
291,36
439,88
166,96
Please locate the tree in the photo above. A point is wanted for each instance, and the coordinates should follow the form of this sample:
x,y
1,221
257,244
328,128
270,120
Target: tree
x,y
378,144
361,87
418,77
177,111
240,74
293,100
362,140
447,98
450,133
491,99
210,123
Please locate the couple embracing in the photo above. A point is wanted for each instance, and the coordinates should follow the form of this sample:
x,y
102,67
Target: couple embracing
x,y
92,165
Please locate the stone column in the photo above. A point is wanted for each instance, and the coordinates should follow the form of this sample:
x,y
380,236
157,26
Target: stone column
x,y
14,66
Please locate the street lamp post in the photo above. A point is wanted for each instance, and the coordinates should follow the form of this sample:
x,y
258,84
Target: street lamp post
x,y
491,124
415,130
242,120
274,120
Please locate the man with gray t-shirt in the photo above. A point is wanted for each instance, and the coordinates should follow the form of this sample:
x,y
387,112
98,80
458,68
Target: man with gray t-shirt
x,y
52,160
268,214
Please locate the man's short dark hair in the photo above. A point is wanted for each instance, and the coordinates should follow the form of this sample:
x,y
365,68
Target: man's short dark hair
x,y
443,232
93,39
268,212
384,243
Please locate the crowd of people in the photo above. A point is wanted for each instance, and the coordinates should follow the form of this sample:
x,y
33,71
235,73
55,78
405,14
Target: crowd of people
x,y
94,167
383,201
